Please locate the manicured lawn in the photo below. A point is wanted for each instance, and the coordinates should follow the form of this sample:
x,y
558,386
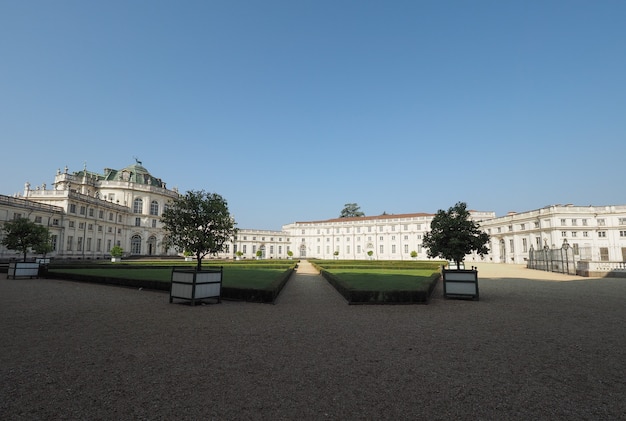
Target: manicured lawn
x,y
235,276
376,282
384,279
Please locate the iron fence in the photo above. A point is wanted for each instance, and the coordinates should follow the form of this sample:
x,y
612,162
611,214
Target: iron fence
x,y
561,260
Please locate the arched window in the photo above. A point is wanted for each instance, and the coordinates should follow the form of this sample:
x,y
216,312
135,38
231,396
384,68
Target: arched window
x,y
154,208
152,245
137,205
135,244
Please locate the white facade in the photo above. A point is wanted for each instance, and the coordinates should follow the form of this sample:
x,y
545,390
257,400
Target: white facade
x,y
383,237
89,213
596,233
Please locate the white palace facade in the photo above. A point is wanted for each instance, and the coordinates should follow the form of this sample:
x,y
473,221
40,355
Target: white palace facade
x,y
88,213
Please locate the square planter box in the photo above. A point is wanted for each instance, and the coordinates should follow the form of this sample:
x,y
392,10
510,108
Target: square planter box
x,y
192,285
460,283
23,270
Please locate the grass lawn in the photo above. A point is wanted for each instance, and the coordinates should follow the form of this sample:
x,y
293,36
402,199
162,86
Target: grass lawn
x,y
235,276
384,279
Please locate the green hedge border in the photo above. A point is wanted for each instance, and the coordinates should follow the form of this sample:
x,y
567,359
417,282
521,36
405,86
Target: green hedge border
x,y
382,297
267,296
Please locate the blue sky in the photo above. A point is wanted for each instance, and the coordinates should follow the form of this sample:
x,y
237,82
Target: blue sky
x,y
291,109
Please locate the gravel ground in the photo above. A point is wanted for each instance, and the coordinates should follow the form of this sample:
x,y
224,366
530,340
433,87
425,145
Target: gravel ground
x,y
536,346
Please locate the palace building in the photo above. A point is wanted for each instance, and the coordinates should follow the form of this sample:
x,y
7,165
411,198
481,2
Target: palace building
x,y
88,213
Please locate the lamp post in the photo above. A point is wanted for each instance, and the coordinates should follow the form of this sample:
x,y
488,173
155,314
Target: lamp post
x,y
566,248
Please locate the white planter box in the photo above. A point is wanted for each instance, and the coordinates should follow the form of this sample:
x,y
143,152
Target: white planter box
x,y
23,270
195,285
116,259
460,283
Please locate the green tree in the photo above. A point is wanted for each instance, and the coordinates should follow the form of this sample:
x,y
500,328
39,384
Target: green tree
x,y
351,210
198,222
22,235
453,235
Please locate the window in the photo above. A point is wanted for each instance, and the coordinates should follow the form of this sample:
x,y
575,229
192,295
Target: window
x,y
621,221
79,244
70,242
406,248
574,222
563,233
135,244
88,244
510,228
522,227
55,222
110,216
622,233
53,241
382,249
563,222
244,249
71,224
72,208
154,223
524,245
601,222
584,222
602,234
83,210
536,224
574,233
512,246
154,208
90,227
393,249
38,219
109,230
101,214
137,222
99,244
91,212
137,205
271,249
99,228
585,234
381,238
254,249
604,254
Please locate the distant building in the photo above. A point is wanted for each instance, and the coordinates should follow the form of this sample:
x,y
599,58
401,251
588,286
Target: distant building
x,y
88,213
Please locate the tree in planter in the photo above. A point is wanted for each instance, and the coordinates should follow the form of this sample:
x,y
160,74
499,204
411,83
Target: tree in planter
x,y
22,235
290,253
413,254
116,251
200,223
239,254
351,210
453,235
259,253
370,253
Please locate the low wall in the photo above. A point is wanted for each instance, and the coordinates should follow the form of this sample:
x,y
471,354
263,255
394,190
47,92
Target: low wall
x,y
601,269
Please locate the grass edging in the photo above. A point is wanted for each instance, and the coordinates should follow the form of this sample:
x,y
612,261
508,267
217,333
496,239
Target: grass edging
x,y
268,295
381,297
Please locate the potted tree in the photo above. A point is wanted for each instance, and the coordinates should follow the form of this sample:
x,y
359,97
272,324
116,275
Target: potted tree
x,y
188,256
290,254
413,254
452,236
239,254
116,253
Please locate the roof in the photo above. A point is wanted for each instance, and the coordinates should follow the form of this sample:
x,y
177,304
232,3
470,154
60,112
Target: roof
x,y
369,218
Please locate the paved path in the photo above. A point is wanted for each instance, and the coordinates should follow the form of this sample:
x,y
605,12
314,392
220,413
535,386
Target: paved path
x,y
307,288
536,346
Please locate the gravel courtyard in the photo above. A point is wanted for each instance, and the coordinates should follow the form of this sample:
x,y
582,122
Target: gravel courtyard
x,y
536,346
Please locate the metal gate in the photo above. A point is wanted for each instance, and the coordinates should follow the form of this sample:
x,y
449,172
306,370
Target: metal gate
x,y
562,260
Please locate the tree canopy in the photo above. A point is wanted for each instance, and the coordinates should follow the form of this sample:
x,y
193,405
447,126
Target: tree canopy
x,y
453,235
198,222
22,235
351,210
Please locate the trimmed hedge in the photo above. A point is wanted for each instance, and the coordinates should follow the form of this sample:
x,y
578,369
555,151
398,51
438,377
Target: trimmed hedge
x,y
267,295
